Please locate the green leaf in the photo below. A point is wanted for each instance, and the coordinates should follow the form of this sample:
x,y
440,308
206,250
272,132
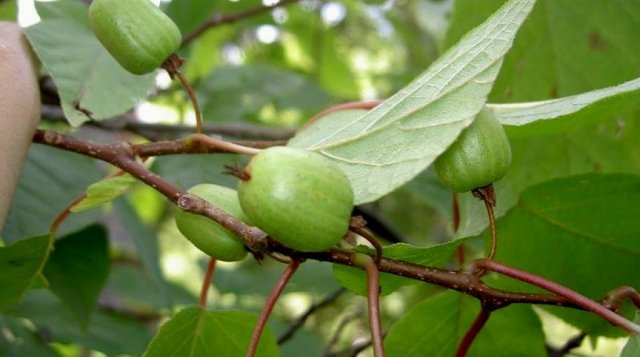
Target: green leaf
x,y
188,14
50,180
632,348
389,145
196,332
249,92
187,171
18,339
8,10
436,326
566,47
525,113
104,191
77,270
21,264
91,84
356,281
110,333
146,242
579,231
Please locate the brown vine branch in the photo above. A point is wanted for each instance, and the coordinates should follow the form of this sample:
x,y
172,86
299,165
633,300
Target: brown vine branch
x,y
299,322
560,290
197,143
268,307
123,156
220,19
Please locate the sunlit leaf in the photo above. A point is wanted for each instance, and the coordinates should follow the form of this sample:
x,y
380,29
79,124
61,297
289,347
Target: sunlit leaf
x,y
391,144
525,113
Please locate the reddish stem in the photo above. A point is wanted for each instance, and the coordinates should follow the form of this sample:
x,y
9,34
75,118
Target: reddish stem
x,y
473,331
371,239
455,207
206,283
494,233
373,296
364,105
60,218
571,295
194,100
270,303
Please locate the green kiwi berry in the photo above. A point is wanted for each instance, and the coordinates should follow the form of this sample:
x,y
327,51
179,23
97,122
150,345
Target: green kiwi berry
x,y
300,198
209,236
480,156
136,33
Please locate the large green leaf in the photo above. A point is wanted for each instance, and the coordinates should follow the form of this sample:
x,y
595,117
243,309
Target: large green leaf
x,y
20,265
356,281
435,327
88,79
50,180
195,332
77,270
145,241
110,333
391,144
565,47
579,231
19,339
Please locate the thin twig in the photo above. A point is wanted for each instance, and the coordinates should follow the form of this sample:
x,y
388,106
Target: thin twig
x,y
571,295
363,105
219,19
206,283
270,303
130,122
299,322
373,297
572,343
472,332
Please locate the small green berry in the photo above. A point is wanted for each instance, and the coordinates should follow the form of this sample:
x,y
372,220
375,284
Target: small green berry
x,y
299,198
209,236
480,156
136,33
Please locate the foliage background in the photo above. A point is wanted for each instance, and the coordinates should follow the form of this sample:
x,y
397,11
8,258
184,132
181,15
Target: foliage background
x,y
132,269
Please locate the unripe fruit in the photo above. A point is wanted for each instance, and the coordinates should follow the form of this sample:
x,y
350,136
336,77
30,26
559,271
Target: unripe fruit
x,y
209,236
299,198
480,156
136,33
